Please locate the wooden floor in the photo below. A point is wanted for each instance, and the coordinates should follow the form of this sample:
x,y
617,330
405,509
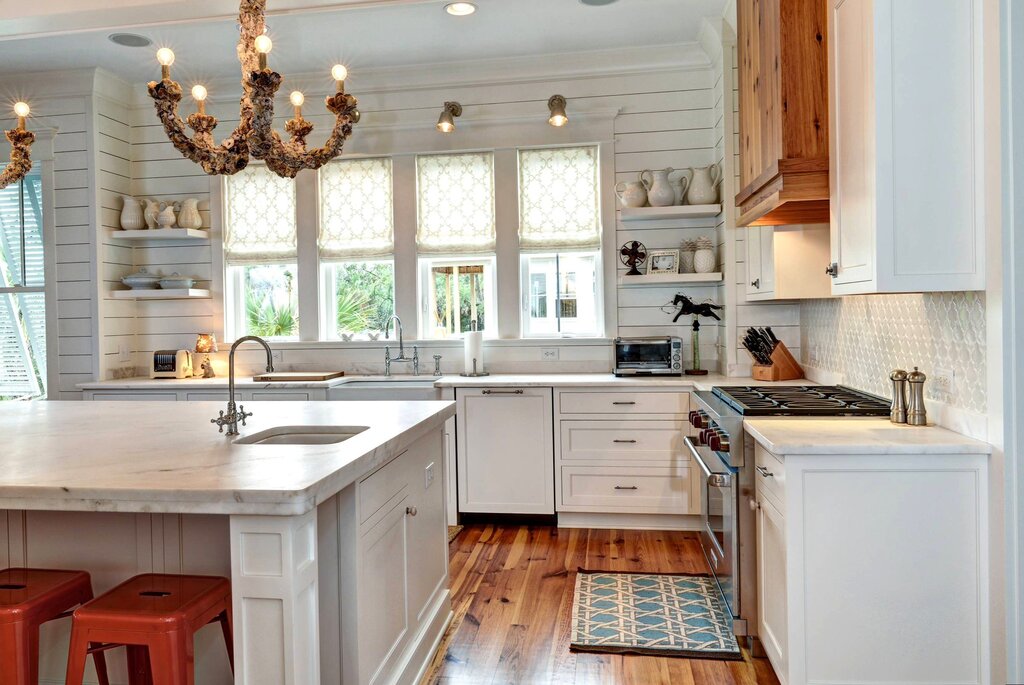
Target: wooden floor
x,y
512,592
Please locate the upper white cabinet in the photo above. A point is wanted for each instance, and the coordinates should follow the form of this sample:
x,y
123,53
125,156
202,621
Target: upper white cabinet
x,y
905,113
784,262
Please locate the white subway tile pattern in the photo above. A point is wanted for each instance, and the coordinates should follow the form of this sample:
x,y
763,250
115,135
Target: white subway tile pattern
x,y
866,337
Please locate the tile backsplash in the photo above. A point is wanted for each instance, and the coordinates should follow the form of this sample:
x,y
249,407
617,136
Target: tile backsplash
x,y
865,337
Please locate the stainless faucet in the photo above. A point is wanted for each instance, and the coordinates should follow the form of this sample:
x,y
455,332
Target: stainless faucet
x,y
415,359
233,416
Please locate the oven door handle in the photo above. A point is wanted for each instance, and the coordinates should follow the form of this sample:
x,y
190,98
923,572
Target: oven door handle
x,y
716,480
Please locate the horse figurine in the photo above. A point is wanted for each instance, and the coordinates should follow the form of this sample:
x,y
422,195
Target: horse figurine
x,y
688,306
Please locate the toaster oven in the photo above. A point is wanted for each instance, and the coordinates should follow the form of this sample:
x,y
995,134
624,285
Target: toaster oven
x,y
662,356
171,364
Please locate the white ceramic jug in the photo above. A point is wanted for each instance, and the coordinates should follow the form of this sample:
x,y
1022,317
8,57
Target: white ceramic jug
x,y
166,217
660,192
131,214
631,193
152,210
189,216
704,185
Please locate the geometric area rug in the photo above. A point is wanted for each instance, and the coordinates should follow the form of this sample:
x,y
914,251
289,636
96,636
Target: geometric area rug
x,y
641,613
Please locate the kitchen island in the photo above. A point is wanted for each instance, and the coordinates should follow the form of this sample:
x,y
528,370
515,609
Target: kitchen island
x,y
328,518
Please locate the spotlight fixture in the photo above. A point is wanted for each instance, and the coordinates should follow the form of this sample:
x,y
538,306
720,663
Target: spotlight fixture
x,y
446,122
556,105
129,40
460,9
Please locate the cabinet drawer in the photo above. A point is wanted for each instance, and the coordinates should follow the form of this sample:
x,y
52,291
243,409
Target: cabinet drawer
x,y
624,441
274,396
211,396
775,484
381,486
627,489
135,396
624,403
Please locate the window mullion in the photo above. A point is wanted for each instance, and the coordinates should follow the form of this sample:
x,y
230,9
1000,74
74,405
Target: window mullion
x,y
506,208
406,300
307,228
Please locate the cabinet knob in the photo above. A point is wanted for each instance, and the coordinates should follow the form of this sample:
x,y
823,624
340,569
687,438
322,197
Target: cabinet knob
x,y
411,511
832,270
754,506
756,283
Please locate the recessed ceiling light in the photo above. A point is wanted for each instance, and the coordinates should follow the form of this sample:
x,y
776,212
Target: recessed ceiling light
x,y
597,3
460,9
130,40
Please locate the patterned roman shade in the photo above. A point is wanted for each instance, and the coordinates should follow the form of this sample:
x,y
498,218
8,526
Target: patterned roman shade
x,y
260,225
559,206
356,213
456,203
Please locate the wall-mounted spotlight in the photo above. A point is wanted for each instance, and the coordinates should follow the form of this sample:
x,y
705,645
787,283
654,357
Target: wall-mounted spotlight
x,y
557,107
446,122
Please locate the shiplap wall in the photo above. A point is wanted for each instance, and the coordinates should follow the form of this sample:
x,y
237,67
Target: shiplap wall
x,y
665,119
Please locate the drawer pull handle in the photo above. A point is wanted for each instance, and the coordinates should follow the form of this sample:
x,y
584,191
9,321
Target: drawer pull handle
x,y
628,442
765,472
626,487
624,403
502,392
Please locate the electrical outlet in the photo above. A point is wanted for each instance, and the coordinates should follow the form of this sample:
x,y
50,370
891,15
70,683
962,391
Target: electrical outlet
x,y
944,380
549,354
812,356
428,476
277,356
124,354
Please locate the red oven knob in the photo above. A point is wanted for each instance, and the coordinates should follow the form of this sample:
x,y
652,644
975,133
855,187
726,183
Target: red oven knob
x,y
719,442
699,419
694,417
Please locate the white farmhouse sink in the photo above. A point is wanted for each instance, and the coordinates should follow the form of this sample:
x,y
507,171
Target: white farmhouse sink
x,y
301,435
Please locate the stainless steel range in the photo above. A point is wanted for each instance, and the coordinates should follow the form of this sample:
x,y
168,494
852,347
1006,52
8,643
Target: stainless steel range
x,y
725,456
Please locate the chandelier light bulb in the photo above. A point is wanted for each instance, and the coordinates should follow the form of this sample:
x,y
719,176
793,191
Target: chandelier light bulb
x,y
339,72
21,109
199,92
297,98
263,44
165,56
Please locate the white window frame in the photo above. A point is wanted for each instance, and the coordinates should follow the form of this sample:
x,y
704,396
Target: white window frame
x,y
428,262
328,295
526,295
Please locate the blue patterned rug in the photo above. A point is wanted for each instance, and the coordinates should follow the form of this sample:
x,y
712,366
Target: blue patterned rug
x,y
664,615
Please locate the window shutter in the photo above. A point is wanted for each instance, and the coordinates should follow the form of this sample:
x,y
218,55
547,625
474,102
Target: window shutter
x,y
559,206
356,213
260,226
456,204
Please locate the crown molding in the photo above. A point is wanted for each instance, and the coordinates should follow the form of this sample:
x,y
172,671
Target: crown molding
x,y
45,85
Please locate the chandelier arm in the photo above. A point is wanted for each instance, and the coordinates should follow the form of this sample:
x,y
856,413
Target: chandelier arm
x,y
20,164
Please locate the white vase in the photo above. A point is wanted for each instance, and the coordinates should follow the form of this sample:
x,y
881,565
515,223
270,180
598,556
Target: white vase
x,y
686,261
704,260
150,214
660,192
631,193
166,218
131,214
189,216
704,185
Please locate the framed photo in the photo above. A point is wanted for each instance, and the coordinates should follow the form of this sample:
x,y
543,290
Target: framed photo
x,y
663,262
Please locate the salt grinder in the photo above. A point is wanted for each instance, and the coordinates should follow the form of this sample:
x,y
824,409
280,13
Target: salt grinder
x,y
898,414
916,413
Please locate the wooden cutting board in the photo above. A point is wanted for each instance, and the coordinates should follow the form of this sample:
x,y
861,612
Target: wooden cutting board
x,y
297,376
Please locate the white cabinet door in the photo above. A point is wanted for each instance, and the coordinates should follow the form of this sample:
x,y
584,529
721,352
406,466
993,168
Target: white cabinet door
x,y
771,584
752,238
427,553
505,451
384,583
767,244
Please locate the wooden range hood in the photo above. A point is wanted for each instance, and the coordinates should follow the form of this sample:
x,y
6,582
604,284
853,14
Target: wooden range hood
x,y
783,102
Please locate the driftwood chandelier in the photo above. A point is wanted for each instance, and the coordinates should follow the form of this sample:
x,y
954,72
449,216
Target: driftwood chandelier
x,y
254,136
21,144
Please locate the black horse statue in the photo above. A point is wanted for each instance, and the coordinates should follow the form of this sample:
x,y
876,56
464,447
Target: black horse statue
x,y
688,306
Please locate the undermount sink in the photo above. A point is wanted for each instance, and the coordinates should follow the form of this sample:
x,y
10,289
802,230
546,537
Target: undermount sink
x,y
302,435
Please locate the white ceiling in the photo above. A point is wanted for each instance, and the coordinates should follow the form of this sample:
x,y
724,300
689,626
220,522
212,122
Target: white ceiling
x,y
376,36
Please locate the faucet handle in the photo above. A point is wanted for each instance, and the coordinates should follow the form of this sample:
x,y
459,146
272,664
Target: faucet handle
x,y
219,421
242,415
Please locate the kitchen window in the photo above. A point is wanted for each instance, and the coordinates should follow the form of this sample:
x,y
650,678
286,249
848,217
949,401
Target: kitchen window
x,y
356,248
260,255
560,240
456,238
22,299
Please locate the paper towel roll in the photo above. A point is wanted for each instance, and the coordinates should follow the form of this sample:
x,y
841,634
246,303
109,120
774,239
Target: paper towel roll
x,y
474,346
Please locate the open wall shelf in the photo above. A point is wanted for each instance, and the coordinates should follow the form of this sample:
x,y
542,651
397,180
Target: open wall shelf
x,y
162,234
670,279
668,213
161,294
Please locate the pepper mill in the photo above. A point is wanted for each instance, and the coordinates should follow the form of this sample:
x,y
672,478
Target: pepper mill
x,y
916,413
898,414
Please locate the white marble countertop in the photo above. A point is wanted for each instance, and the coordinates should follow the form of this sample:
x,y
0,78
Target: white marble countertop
x,y
168,458
450,381
853,436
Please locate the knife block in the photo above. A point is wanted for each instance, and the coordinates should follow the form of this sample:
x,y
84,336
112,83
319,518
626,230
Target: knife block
x,y
783,367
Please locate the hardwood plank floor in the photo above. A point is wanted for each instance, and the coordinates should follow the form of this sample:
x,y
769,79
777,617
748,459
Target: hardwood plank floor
x,y
512,596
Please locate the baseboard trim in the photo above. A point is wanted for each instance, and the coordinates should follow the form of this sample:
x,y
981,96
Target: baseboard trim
x,y
630,521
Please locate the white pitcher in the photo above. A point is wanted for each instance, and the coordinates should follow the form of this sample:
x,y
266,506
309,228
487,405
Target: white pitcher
x,y
704,185
189,216
631,193
660,192
166,217
131,214
152,210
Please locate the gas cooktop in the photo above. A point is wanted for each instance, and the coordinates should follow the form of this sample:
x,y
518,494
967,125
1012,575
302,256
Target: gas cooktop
x,y
801,400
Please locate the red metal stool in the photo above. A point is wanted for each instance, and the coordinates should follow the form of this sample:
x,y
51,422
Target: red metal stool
x,y
30,597
156,617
